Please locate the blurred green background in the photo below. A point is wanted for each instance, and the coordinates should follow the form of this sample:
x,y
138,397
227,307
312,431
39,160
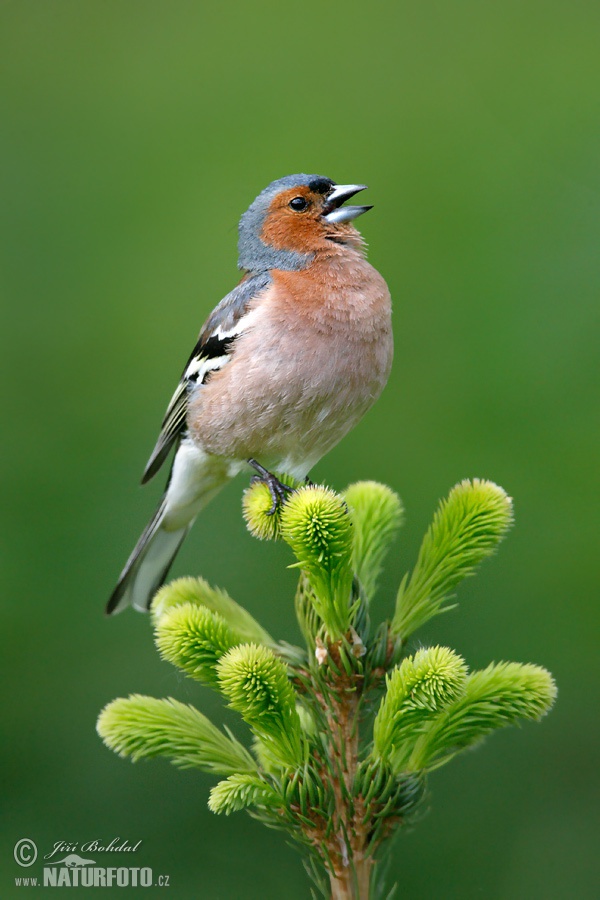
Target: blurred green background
x,y
133,136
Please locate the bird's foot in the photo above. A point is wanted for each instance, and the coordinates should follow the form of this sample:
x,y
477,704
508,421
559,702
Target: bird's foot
x,y
277,488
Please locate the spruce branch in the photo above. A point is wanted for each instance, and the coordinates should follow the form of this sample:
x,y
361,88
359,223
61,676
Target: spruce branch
x,y
256,684
421,686
495,697
345,733
141,726
466,528
241,791
194,638
377,514
316,524
198,592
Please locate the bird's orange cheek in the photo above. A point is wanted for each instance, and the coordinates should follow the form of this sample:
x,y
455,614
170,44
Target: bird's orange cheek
x,y
286,231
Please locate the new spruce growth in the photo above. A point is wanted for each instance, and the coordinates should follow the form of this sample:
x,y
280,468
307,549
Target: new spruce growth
x,y
467,527
344,732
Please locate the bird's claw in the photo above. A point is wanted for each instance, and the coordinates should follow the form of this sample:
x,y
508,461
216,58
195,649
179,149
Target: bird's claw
x,y
277,488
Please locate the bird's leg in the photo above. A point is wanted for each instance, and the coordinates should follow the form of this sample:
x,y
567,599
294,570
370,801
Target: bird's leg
x,y
277,489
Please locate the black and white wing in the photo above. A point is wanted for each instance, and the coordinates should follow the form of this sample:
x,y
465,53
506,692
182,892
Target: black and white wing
x,y
212,352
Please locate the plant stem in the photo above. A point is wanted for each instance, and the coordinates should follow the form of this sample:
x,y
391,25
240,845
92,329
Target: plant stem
x,y
352,869
342,886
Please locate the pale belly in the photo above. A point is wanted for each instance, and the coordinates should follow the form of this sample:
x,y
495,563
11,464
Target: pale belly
x,y
287,415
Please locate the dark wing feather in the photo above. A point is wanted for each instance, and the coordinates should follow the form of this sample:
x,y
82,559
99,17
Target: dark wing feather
x,y
213,346
174,421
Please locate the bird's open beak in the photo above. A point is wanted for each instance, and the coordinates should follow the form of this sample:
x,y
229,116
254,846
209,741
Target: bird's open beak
x,y
335,212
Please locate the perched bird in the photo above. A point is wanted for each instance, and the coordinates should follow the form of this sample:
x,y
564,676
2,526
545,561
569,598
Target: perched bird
x,y
284,367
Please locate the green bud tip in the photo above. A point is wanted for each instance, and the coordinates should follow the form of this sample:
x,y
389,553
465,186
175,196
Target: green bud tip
x,y
257,504
420,686
255,681
315,522
194,638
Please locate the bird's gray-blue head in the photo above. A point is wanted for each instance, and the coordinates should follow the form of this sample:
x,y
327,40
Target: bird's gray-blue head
x,y
292,219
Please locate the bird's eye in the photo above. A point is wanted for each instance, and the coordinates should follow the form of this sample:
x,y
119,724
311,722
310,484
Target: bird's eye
x,y
299,203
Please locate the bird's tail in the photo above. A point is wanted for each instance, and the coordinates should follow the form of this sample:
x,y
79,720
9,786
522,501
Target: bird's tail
x,y
148,565
195,478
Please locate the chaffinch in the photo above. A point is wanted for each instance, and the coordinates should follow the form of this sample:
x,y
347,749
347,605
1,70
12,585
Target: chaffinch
x,y
284,367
